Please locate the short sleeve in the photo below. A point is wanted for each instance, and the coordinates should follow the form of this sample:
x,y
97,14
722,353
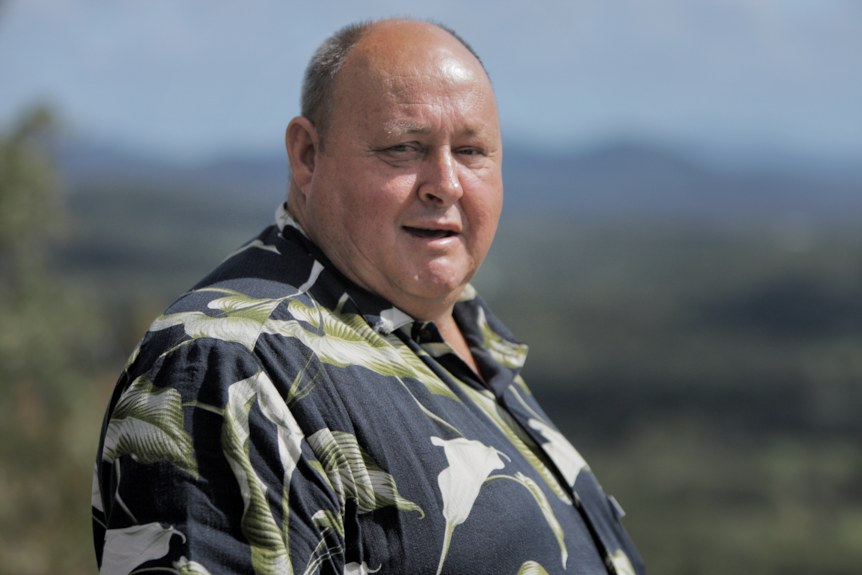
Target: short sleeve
x,y
204,469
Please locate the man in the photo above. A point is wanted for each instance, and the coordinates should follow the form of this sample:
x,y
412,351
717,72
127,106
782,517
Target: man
x,y
335,397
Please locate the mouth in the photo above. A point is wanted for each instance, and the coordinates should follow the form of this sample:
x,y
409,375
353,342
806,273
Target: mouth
x,y
429,234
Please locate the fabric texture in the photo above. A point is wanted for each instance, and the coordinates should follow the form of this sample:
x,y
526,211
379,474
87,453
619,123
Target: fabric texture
x,y
278,419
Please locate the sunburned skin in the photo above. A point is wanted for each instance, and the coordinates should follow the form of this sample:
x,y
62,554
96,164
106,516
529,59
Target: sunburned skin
x,y
406,195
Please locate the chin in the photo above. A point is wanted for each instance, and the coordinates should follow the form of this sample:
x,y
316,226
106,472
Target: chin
x,y
435,286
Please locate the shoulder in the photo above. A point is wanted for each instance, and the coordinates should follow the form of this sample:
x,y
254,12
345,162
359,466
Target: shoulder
x,y
211,332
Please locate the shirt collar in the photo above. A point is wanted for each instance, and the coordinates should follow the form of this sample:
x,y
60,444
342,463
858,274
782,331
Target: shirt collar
x,y
383,317
283,219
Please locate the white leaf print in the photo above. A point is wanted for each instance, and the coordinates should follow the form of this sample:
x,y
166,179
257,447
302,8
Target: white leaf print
x,y
506,352
97,493
129,547
197,324
621,563
562,453
186,567
470,463
358,569
268,543
346,339
532,568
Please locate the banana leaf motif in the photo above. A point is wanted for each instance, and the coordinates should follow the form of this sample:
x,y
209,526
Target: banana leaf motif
x,y
544,505
186,567
621,563
331,529
147,424
532,568
519,438
268,541
239,319
508,353
470,462
129,547
344,339
354,475
564,455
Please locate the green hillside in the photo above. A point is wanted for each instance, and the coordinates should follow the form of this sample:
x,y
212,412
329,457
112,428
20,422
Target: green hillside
x,y
711,375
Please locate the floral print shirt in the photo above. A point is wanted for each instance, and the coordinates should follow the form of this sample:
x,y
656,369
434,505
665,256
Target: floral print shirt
x,y
278,419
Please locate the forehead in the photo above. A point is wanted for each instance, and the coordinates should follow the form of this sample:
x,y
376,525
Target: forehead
x,y
402,81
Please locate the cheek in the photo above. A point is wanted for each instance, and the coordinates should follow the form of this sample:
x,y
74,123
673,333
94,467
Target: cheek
x,y
483,213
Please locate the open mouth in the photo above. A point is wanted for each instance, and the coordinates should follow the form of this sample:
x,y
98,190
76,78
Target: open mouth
x,y
429,234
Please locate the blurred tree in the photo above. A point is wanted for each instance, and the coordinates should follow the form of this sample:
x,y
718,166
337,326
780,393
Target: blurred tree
x,y
49,409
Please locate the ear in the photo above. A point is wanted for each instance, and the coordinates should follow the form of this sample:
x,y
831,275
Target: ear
x,y
302,141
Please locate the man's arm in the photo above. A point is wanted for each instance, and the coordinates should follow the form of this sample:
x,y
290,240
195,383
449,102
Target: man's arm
x,y
204,469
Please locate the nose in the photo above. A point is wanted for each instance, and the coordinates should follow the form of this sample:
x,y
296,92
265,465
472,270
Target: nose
x,y
440,184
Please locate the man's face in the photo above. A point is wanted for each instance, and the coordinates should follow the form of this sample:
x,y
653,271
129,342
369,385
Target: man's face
x,y
406,195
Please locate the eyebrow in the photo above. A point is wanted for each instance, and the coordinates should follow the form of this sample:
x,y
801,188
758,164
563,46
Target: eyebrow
x,y
406,127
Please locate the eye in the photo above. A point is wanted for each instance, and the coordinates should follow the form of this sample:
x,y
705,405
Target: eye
x,y
408,151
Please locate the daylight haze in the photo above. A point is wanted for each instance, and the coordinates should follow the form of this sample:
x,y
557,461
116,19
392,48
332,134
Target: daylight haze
x,y
189,80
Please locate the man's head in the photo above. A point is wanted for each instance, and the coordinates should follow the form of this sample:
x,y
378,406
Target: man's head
x,y
316,101
406,194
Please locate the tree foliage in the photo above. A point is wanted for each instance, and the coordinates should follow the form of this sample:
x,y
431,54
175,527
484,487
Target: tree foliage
x,y
49,408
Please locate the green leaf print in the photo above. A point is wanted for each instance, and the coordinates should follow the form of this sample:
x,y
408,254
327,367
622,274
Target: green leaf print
x,y
508,353
532,568
328,546
621,563
519,438
186,567
268,543
240,318
147,424
354,475
544,505
346,339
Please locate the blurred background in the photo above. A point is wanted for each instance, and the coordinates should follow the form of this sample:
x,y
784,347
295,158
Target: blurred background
x,y
680,244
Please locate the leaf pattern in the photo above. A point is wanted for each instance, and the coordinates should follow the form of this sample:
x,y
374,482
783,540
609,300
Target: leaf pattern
x,y
186,567
147,423
354,475
127,548
240,318
358,569
544,505
515,434
269,553
470,462
565,456
346,339
621,563
532,568
289,489
508,353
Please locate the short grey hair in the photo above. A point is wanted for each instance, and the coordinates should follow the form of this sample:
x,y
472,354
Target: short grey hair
x,y
316,99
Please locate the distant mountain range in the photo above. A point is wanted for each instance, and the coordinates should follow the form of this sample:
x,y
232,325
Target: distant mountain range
x,y
615,181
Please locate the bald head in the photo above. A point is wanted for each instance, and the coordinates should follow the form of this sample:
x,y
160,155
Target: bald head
x,y
333,53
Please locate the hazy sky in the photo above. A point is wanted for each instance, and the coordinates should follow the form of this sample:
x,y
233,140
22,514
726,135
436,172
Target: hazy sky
x,y
191,78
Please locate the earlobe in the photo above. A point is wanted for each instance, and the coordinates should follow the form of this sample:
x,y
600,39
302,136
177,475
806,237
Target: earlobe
x,y
301,142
